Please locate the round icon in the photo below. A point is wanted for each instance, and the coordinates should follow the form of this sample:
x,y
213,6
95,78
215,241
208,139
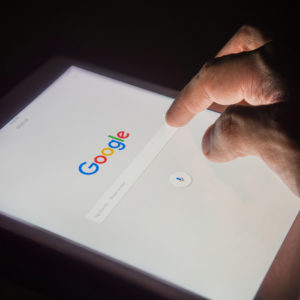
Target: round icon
x,y
180,179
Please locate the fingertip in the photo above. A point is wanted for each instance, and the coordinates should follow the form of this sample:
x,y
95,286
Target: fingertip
x,y
172,120
178,115
169,119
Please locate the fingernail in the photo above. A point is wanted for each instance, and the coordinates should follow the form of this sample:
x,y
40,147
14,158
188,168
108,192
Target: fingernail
x,y
206,141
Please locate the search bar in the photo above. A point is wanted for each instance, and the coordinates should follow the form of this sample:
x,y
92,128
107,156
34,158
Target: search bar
x,y
124,182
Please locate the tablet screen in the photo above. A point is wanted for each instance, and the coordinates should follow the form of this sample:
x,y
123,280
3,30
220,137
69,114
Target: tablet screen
x,y
92,160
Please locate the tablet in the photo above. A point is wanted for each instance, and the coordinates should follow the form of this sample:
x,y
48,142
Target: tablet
x,y
89,167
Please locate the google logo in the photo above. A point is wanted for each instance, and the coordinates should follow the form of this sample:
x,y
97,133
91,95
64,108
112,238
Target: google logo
x,y
114,143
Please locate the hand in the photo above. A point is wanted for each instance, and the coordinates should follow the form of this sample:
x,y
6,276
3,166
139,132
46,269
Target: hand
x,y
257,74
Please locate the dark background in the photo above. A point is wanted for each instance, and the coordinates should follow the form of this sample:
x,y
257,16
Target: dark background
x,y
165,45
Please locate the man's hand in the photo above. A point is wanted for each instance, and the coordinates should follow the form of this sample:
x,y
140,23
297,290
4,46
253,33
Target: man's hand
x,y
250,72
251,75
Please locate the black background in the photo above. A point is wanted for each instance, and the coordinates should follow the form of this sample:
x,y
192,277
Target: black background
x,y
162,44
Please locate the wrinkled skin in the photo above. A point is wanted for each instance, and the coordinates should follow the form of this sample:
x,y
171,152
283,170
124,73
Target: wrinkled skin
x,y
254,79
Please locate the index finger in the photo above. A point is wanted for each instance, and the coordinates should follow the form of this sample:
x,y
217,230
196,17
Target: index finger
x,y
226,80
194,97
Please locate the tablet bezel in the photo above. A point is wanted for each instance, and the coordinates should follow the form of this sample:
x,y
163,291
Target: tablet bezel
x,y
17,99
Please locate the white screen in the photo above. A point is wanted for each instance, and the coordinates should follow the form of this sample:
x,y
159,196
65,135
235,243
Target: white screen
x,y
216,237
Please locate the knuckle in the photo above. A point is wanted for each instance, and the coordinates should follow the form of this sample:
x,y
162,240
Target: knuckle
x,y
250,31
252,36
204,80
205,70
230,122
206,73
226,136
268,87
247,29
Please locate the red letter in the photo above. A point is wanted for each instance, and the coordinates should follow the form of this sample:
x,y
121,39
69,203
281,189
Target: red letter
x,y
122,135
103,159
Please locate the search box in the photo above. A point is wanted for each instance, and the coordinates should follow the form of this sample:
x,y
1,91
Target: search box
x,y
124,182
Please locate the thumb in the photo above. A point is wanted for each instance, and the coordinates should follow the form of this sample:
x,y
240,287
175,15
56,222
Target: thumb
x,y
267,131
241,131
